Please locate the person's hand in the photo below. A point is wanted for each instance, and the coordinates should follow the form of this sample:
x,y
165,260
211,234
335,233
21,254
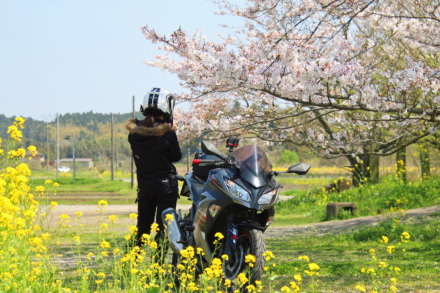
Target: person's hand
x,y
174,127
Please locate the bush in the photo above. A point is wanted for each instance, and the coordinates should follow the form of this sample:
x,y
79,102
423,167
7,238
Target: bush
x,y
288,158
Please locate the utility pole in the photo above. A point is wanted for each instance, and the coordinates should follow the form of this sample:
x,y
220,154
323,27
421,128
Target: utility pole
x,y
58,143
187,156
132,158
73,152
112,151
47,152
116,150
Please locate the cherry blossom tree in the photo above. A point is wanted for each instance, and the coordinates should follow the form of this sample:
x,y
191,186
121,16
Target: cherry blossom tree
x,y
347,78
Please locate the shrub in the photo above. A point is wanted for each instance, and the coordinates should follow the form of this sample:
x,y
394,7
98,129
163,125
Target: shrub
x,y
288,158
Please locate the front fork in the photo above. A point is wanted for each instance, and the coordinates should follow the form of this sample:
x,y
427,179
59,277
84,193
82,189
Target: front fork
x,y
234,227
231,238
233,230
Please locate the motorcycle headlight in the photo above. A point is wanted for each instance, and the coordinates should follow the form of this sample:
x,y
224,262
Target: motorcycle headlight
x,y
268,197
237,191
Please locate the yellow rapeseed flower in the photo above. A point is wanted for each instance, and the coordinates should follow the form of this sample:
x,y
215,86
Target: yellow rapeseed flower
x,y
361,288
169,217
390,249
250,258
101,275
19,121
105,244
39,189
304,257
242,279
45,236
14,133
313,267
112,219
32,150
268,255
102,203
154,227
104,226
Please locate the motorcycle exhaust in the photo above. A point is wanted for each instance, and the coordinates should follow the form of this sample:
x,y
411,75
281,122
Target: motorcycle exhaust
x,y
169,218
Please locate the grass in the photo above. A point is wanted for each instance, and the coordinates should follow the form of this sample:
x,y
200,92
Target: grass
x,y
391,195
343,256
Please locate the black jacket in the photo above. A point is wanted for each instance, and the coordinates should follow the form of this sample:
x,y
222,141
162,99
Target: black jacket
x,y
154,150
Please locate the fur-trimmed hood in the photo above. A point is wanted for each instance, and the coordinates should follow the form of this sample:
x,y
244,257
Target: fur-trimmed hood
x,y
134,128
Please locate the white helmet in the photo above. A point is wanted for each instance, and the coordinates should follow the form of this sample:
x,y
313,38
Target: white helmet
x,y
159,99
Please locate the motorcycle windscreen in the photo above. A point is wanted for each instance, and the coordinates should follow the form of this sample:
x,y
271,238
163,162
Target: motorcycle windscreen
x,y
254,164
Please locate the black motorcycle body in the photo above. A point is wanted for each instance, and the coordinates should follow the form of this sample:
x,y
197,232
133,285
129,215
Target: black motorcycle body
x,y
232,196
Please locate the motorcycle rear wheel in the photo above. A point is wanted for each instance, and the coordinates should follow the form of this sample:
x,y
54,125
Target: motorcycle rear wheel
x,y
249,241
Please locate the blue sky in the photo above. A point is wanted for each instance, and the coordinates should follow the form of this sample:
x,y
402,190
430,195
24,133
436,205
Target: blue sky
x,y
76,56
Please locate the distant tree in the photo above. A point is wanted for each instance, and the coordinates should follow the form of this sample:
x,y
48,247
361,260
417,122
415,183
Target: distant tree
x,y
288,157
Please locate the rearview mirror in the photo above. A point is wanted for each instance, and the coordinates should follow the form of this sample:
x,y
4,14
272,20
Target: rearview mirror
x,y
300,169
210,149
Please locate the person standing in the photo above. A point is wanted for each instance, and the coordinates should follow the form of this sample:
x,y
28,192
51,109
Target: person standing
x,y
155,148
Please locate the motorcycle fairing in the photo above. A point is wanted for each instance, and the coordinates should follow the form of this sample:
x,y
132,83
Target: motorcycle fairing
x,y
254,165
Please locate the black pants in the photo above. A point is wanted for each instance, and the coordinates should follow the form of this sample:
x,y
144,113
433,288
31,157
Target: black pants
x,y
151,204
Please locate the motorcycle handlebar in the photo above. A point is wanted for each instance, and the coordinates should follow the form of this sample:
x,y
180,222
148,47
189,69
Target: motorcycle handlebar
x,y
219,163
199,161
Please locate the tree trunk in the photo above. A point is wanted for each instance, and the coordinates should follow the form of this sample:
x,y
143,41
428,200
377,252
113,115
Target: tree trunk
x,y
424,162
401,164
360,167
374,166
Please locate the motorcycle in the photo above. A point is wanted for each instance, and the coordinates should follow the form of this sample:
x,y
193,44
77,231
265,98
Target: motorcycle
x,y
234,195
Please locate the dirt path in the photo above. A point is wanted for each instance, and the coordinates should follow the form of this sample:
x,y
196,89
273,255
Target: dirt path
x,y
92,215
338,226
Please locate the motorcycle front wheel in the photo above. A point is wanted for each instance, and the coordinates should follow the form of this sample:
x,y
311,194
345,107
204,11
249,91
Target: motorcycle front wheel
x,y
249,242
